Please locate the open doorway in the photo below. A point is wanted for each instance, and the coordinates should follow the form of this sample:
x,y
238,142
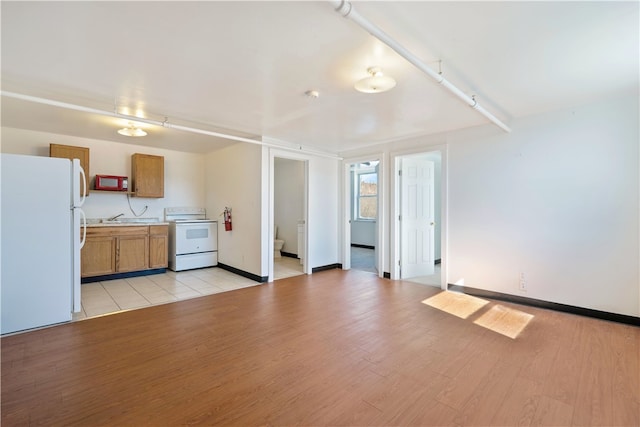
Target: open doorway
x,y
363,200
419,213
288,217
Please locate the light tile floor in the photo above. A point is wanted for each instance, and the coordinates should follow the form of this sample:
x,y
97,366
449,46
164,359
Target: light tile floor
x,y
286,267
431,280
112,296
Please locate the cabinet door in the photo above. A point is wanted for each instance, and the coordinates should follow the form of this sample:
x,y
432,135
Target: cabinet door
x,y
147,175
158,246
132,253
72,152
98,256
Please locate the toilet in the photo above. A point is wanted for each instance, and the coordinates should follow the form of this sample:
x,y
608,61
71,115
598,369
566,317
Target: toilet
x,y
277,244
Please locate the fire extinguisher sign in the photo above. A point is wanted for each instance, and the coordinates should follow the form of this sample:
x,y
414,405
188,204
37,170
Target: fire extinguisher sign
x,y
227,219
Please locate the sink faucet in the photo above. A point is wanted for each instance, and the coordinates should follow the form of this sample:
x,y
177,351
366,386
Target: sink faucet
x,y
113,218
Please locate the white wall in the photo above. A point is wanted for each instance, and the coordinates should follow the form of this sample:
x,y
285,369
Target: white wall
x,y
324,203
234,178
363,232
184,172
556,199
289,201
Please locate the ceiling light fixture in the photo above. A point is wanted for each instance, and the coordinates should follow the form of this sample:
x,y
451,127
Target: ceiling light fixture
x,y
376,82
132,130
346,9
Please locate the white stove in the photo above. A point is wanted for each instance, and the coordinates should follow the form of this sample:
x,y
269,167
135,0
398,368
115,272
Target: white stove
x,y
193,239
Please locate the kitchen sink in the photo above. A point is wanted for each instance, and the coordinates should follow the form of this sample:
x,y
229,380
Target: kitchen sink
x,y
129,220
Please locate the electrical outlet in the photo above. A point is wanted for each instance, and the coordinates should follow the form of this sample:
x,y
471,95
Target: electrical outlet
x,y
523,282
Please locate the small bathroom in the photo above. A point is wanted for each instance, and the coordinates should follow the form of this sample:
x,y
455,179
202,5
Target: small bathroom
x,y
288,217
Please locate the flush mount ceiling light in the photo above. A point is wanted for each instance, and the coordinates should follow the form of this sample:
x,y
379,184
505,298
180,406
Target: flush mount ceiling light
x,y
376,82
312,93
132,130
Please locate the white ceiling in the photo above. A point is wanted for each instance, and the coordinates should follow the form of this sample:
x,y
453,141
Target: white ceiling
x,y
243,67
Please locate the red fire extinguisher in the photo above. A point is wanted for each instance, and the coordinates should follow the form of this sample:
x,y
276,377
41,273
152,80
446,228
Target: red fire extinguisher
x,y
227,219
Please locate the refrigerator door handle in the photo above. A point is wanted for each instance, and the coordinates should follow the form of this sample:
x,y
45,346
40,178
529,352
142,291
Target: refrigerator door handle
x,y
83,193
78,197
84,227
79,222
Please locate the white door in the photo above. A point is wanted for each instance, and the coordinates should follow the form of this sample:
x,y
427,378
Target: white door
x,y
416,218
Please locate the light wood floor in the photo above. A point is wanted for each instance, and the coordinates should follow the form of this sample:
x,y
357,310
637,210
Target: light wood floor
x,y
334,348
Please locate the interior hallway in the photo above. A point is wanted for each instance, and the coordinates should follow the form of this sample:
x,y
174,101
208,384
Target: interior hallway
x,y
363,259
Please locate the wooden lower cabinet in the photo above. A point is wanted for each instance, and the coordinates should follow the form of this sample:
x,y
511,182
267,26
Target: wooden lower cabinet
x,y
133,253
121,249
98,256
158,246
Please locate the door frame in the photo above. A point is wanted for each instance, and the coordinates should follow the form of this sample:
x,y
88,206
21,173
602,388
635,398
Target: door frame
x,y
284,154
347,205
444,209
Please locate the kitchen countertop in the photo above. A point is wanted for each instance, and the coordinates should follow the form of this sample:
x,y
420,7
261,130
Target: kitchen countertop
x,y
125,222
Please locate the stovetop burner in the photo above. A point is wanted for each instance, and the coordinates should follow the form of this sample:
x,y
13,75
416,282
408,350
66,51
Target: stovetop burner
x,y
185,214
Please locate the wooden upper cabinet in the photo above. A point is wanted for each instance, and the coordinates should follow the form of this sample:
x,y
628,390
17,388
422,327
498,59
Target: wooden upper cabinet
x,y
72,152
147,175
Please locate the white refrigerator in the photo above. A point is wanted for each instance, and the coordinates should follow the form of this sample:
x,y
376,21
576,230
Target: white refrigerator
x,y
40,226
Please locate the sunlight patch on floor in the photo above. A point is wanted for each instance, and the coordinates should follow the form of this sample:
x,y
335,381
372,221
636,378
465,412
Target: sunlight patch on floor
x,y
460,305
495,317
504,320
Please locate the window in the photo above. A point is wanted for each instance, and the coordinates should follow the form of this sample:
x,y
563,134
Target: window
x,y
367,195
